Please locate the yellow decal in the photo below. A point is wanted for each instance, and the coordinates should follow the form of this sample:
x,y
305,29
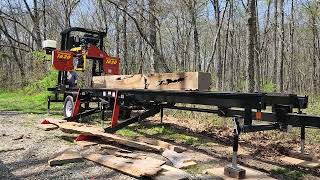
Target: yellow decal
x,y
64,56
111,61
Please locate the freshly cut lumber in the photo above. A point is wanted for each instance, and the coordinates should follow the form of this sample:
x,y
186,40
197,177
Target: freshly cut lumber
x,y
300,162
73,127
162,144
136,81
47,127
159,81
134,167
178,160
68,156
179,81
110,147
169,172
84,144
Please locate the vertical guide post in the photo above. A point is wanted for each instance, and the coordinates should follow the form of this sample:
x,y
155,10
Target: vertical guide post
x,y
235,142
102,113
303,137
161,115
302,134
49,101
247,117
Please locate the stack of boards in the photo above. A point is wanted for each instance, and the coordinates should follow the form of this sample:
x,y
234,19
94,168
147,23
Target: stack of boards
x,y
126,161
161,81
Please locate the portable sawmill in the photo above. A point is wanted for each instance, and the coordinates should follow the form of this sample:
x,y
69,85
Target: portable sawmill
x,y
278,111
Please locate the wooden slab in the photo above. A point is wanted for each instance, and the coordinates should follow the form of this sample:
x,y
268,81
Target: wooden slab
x,y
84,144
68,156
47,127
134,167
169,172
300,162
162,144
159,81
178,160
73,127
107,146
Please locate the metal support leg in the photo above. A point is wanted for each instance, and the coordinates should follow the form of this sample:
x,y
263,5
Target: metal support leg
x,y
236,133
233,170
235,149
247,117
49,101
303,137
161,115
102,114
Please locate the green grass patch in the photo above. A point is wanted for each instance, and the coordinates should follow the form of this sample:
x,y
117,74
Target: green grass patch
x,y
32,98
161,131
288,174
128,133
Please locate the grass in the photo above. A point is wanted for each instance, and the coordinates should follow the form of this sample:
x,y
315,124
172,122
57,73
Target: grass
x,y
288,174
32,98
161,131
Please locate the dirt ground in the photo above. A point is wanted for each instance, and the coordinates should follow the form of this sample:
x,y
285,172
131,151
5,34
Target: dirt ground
x,y
34,147
38,147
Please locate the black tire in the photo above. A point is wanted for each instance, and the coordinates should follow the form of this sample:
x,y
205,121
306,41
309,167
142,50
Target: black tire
x,y
68,106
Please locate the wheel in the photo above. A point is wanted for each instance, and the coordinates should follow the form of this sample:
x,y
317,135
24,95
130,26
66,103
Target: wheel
x,y
68,107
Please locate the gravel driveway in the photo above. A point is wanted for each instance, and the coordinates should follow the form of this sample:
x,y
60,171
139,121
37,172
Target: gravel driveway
x,y
35,147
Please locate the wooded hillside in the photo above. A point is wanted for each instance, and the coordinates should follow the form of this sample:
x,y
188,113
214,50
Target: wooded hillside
x,y
247,45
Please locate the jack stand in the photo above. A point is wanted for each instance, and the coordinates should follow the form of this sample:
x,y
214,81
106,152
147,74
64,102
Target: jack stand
x,y
234,170
301,154
49,101
161,115
102,106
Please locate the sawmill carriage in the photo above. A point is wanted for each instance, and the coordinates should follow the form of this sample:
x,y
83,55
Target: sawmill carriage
x,y
76,52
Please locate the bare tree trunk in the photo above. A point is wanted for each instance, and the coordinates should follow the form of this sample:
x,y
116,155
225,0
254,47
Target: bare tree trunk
x,y
125,40
251,36
292,61
117,33
282,47
153,36
314,54
216,6
275,50
196,58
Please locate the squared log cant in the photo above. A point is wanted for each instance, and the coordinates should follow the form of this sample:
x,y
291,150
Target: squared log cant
x,y
159,81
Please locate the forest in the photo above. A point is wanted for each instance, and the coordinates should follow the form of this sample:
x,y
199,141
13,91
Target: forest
x,y
246,45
